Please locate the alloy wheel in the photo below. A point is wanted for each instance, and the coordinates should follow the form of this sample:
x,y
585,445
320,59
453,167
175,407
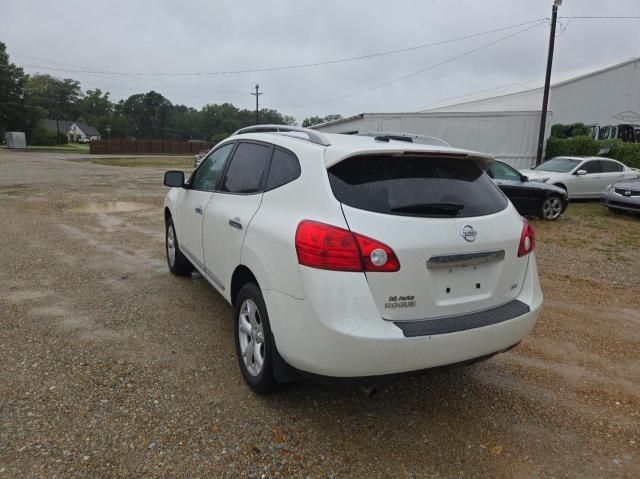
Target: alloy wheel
x,y
551,208
251,336
171,245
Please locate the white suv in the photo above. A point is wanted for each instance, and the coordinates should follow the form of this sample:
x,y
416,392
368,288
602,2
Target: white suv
x,y
353,256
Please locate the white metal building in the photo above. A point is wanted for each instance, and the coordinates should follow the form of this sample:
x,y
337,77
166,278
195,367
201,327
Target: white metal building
x,y
511,136
505,121
601,95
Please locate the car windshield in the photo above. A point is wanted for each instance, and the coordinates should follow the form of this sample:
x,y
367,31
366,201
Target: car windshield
x,y
558,165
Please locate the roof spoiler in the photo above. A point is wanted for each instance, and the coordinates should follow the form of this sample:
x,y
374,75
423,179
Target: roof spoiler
x,y
406,137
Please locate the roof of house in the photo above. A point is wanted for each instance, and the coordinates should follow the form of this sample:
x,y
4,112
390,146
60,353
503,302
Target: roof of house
x,y
88,130
557,79
65,126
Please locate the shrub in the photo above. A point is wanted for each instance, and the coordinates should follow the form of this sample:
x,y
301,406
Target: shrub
x,y
627,153
569,131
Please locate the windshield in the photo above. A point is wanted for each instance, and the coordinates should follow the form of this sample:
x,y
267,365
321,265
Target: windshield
x,y
558,165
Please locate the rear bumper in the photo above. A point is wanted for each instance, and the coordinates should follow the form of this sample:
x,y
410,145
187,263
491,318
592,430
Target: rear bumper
x,y
328,336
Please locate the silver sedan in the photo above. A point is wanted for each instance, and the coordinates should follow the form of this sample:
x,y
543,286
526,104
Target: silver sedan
x,y
622,196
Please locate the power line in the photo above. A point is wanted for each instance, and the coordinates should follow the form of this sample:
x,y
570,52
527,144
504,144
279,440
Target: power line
x,y
610,17
423,70
295,66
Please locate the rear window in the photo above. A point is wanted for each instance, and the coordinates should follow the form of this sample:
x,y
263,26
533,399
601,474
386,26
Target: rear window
x,y
415,186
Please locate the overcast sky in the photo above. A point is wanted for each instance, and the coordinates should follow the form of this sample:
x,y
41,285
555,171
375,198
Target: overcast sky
x,y
211,36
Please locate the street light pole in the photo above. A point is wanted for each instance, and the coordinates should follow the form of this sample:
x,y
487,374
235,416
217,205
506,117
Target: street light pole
x,y
547,80
257,94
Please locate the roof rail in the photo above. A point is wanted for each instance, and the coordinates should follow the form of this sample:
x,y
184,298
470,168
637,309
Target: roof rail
x,y
314,136
408,137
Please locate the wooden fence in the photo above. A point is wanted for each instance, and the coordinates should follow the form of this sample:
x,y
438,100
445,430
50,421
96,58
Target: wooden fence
x,y
146,147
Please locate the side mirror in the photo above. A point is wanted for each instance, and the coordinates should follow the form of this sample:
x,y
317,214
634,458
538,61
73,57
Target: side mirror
x,y
524,178
581,172
174,179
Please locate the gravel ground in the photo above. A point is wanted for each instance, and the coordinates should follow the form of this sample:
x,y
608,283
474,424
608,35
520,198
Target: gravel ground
x,y
112,367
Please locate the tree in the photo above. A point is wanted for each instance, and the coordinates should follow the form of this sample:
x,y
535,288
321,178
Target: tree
x,y
26,100
96,109
147,114
13,115
316,120
58,97
312,120
333,117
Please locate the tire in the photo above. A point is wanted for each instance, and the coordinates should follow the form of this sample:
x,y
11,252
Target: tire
x,y
177,262
551,208
252,328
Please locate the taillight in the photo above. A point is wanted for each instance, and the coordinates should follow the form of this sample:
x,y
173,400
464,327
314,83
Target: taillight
x,y
527,239
376,256
323,246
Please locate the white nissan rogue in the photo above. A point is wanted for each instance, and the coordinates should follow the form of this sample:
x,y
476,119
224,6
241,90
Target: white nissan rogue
x,y
353,256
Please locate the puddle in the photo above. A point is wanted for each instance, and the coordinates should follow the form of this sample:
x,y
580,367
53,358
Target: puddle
x,y
111,207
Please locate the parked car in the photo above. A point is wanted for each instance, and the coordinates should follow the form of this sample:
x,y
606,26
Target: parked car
x,y
581,177
622,196
531,198
353,257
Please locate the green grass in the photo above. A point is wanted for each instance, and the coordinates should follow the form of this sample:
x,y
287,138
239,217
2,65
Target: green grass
x,y
70,148
589,226
180,163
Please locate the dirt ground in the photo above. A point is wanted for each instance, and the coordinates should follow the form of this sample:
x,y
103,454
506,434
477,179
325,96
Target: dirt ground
x,y
112,367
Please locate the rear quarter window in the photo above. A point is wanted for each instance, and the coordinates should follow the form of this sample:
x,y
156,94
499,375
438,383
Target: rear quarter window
x,y
415,186
285,168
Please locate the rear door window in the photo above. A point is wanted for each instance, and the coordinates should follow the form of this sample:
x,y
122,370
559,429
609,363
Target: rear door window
x,y
610,166
591,167
247,170
415,186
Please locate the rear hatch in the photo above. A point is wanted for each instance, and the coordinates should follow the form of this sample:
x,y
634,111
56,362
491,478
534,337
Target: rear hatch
x,y
454,233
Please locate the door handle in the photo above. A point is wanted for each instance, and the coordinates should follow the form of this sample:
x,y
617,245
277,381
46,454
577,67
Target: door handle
x,y
235,223
199,210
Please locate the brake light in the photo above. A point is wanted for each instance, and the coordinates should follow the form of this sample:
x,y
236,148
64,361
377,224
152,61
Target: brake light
x,y
323,246
527,239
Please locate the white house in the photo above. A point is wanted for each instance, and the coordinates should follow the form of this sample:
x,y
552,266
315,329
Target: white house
x,y
76,131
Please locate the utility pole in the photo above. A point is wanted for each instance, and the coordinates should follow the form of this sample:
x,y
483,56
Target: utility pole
x,y
547,80
257,94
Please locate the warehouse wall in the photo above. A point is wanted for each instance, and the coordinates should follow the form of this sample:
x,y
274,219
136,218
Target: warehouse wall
x,y
509,136
606,98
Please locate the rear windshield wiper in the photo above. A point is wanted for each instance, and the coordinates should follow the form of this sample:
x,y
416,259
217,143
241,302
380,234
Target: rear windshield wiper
x,y
449,209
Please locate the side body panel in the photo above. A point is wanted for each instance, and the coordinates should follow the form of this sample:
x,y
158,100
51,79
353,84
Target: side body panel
x,y
226,221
